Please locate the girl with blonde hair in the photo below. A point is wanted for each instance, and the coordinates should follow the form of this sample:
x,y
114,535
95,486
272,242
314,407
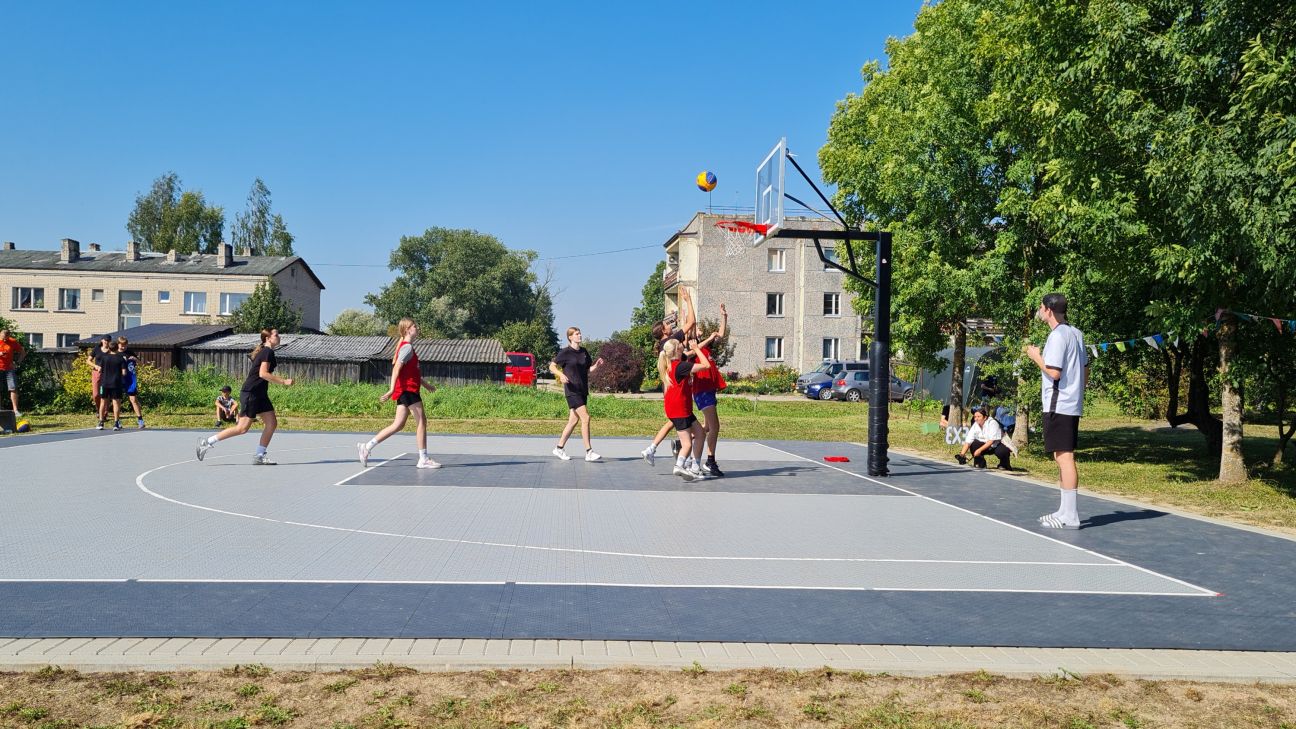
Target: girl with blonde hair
x,y
676,372
254,400
406,382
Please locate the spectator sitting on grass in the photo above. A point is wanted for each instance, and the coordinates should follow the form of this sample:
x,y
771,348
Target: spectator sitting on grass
x,y
227,407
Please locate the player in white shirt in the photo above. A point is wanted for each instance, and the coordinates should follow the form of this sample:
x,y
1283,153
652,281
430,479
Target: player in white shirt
x,y
1064,373
985,437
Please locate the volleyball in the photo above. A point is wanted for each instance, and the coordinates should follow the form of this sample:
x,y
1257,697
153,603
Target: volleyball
x,y
23,426
706,181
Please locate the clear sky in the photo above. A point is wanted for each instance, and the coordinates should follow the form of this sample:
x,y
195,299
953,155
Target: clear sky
x,y
566,128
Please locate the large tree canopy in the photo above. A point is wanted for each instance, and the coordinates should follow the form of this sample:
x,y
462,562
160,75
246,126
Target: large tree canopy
x,y
461,283
167,218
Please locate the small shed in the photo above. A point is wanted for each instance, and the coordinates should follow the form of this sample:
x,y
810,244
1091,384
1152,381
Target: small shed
x,y
160,344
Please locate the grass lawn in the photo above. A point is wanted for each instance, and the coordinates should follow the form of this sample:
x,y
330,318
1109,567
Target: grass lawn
x,y
1142,460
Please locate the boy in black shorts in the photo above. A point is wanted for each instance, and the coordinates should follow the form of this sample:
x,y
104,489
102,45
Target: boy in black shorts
x,y
111,378
572,366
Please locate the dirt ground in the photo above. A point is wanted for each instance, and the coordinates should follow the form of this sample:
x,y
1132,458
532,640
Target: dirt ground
x,y
387,696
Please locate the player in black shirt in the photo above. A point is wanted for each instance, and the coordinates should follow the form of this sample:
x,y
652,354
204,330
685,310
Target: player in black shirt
x,y
572,366
112,372
254,400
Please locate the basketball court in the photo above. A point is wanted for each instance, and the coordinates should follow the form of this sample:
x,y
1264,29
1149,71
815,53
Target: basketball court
x,y
127,534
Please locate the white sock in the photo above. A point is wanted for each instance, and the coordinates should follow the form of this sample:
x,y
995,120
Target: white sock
x,y
261,450
1067,511
370,445
422,454
652,448
680,462
212,441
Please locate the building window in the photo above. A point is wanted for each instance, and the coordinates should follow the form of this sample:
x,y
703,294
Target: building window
x,y
35,341
773,348
164,297
96,295
773,304
230,302
68,340
830,252
69,299
832,303
777,260
195,302
831,348
25,297
130,309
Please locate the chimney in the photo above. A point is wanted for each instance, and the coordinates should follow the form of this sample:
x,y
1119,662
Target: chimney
x,y
132,250
71,251
94,247
171,256
225,255
8,245
246,251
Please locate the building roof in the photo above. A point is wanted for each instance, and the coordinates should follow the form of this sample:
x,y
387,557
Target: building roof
x,y
151,262
162,335
356,349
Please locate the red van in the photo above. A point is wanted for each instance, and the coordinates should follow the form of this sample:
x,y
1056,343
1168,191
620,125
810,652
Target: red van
x,y
520,370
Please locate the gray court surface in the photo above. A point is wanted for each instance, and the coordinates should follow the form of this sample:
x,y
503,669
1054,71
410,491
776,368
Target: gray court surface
x,y
127,534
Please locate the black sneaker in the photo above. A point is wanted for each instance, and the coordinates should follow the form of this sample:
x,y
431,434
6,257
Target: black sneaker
x,y
962,459
675,447
715,470
117,425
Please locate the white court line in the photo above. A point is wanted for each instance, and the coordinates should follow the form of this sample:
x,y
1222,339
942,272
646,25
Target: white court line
x,y
367,470
531,583
57,440
139,482
1205,592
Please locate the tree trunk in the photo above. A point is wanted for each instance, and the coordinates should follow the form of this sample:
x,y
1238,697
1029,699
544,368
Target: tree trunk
x,y
1198,413
956,375
1021,434
1232,464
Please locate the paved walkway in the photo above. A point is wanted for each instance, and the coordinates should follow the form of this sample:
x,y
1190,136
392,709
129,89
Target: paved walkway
x,y
168,654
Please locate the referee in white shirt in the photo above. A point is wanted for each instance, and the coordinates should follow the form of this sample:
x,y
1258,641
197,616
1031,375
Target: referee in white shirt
x,y
1064,373
984,437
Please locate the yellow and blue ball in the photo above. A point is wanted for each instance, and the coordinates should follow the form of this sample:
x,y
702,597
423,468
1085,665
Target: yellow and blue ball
x,y
23,426
706,181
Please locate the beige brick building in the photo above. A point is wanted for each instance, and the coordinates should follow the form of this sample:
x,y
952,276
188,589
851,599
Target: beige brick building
x,y
57,297
785,307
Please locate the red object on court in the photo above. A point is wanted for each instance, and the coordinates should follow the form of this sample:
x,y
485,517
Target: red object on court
x,y
837,459
520,369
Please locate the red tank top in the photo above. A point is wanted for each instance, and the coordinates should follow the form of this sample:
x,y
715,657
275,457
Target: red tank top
x,y
409,378
709,379
678,398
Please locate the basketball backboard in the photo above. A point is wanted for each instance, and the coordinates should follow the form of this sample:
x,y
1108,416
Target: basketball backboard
x,y
769,191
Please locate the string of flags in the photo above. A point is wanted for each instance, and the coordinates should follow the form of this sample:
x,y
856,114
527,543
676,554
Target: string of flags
x,y
1157,341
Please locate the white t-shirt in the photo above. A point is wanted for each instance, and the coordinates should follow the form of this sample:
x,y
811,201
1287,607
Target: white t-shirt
x,y
1064,350
987,432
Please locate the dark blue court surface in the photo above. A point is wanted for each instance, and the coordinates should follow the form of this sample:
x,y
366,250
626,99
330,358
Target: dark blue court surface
x,y
130,535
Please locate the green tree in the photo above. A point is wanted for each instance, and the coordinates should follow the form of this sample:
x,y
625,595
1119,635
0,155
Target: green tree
x,y
535,337
168,218
652,305
459,283
357,323
258,229
265,309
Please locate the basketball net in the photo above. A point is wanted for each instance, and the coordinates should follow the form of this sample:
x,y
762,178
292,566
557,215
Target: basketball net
x,y
740,235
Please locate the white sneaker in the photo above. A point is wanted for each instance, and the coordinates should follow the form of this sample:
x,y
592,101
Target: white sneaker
x,y
363,448
263,460
699,474
561,454
428,463
682,472
203,446
591,456
649,455
706,470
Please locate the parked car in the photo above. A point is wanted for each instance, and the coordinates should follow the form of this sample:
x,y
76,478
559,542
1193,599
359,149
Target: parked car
x,y
520,369
854,387
828,371
820,390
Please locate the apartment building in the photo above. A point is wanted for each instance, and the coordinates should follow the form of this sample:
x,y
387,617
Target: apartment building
x,y
58,297
785,306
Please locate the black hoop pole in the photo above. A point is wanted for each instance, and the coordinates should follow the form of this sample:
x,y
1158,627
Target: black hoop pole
x,y
880,363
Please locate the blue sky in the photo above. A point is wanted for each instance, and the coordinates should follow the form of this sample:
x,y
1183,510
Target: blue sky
x,y
564,128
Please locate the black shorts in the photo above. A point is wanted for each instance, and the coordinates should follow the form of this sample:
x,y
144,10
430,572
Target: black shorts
x,y
1061,432
684,423
576,399
252,404
408,399
111,393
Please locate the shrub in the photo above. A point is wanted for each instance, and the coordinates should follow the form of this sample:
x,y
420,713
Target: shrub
x,y
766,381
621,371
153,385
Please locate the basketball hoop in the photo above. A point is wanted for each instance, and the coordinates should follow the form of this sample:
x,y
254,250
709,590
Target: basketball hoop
x,y
740,235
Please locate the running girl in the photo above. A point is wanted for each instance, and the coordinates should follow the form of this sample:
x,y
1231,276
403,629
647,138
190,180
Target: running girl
x,y
573,366
406,381
254,400
676,373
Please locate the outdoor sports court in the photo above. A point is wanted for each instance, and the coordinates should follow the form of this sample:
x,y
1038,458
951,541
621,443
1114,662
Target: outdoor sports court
x,y
127,534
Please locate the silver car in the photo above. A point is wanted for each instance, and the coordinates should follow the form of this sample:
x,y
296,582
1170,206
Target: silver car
x,y
854,387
